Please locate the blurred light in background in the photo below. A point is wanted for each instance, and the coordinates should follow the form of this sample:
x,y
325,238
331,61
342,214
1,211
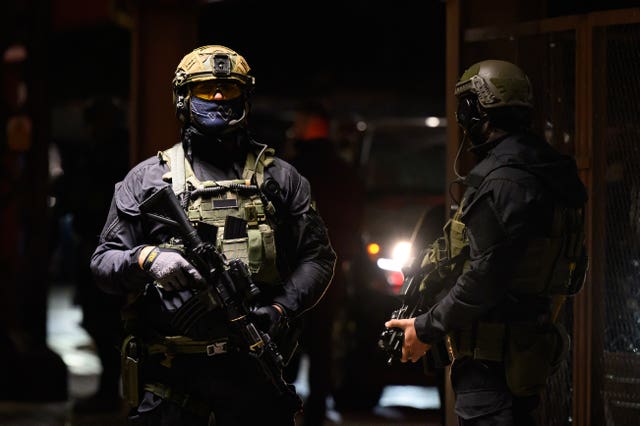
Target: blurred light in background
x,y
373,249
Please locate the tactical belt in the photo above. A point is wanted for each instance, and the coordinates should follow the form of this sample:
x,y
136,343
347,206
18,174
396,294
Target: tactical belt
x,y
172,345
486,341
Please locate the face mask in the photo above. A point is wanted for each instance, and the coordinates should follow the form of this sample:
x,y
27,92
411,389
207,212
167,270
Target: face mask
x,y
216,117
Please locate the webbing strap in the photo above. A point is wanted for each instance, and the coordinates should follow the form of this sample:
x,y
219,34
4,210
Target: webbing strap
x,y
251,167
485,341
182,399
181,170
185,345
178,177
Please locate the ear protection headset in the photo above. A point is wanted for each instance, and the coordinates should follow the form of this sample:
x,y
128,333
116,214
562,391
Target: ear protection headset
x,y
470,114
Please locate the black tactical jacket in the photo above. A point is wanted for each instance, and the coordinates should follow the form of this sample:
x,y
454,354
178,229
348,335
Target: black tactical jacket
x,y
306,257
503,207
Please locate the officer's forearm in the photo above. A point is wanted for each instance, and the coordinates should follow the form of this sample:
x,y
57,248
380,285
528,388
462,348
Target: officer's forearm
x,y
117,271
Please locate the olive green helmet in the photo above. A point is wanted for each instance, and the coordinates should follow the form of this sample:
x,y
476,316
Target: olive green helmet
x,y
496,84
211,62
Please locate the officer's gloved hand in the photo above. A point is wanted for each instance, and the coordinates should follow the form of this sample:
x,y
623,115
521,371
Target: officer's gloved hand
x,y
269,319
169,269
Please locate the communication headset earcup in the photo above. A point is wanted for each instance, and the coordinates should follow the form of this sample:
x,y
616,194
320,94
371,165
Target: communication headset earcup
x,y
182,109
472,117
469,113
476,115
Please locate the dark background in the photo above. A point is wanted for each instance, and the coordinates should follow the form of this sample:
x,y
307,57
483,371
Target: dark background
x,y
318,46
372,60
294,49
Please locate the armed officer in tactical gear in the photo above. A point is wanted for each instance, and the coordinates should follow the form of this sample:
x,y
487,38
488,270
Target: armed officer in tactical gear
x,y
182,364
517,244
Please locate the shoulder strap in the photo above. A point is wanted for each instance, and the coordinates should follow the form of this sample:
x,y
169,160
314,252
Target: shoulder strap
x,y
253,167
180,169
178,178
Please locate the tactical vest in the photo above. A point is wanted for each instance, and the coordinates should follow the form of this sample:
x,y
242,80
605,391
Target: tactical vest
x,y
552,266
235,207
241,218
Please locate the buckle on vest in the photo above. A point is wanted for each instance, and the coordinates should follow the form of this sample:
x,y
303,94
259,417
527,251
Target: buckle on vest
x,y
218,348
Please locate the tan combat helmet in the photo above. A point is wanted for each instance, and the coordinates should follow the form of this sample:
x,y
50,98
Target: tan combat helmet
x,y
496,84
211,62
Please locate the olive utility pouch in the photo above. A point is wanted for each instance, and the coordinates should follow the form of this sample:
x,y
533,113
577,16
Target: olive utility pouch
x,y
532,355
130,362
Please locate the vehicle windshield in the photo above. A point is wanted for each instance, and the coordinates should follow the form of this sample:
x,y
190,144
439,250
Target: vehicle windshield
x,y
403,167
404,156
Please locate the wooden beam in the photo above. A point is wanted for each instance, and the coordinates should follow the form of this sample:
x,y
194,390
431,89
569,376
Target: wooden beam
x,y
583,320
452,74
161,35
453,137
615,17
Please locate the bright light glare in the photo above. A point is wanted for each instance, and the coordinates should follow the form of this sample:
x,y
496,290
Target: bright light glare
x,y
388,265
432,121
400,256
361,126
401,252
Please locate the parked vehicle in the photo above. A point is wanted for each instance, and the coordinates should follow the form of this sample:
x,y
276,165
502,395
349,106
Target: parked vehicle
x,y
402,164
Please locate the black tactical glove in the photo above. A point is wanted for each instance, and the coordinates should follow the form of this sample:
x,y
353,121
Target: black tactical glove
x,y
269,319
170,269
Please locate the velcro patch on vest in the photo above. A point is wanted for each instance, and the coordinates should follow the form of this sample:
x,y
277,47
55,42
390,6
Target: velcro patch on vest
x,y
226,203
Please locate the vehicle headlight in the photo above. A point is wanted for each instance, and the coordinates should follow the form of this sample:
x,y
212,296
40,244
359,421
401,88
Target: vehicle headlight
x,y
400,255
401,252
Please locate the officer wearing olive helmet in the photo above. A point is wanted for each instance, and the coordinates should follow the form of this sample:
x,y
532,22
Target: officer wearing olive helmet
x,y
516,247
261,208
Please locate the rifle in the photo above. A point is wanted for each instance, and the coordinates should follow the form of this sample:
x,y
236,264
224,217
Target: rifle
x,y
228,285
416,301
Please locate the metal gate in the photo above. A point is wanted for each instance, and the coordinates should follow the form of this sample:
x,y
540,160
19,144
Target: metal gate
x,y
585,73
616,108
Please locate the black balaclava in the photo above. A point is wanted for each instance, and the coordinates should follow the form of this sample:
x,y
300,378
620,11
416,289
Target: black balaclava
x,y
221,151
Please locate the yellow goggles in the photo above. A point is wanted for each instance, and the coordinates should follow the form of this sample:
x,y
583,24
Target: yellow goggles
x,y
207,90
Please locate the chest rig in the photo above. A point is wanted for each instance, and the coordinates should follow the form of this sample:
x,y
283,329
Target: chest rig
x,y
551,265
448,254
235,207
